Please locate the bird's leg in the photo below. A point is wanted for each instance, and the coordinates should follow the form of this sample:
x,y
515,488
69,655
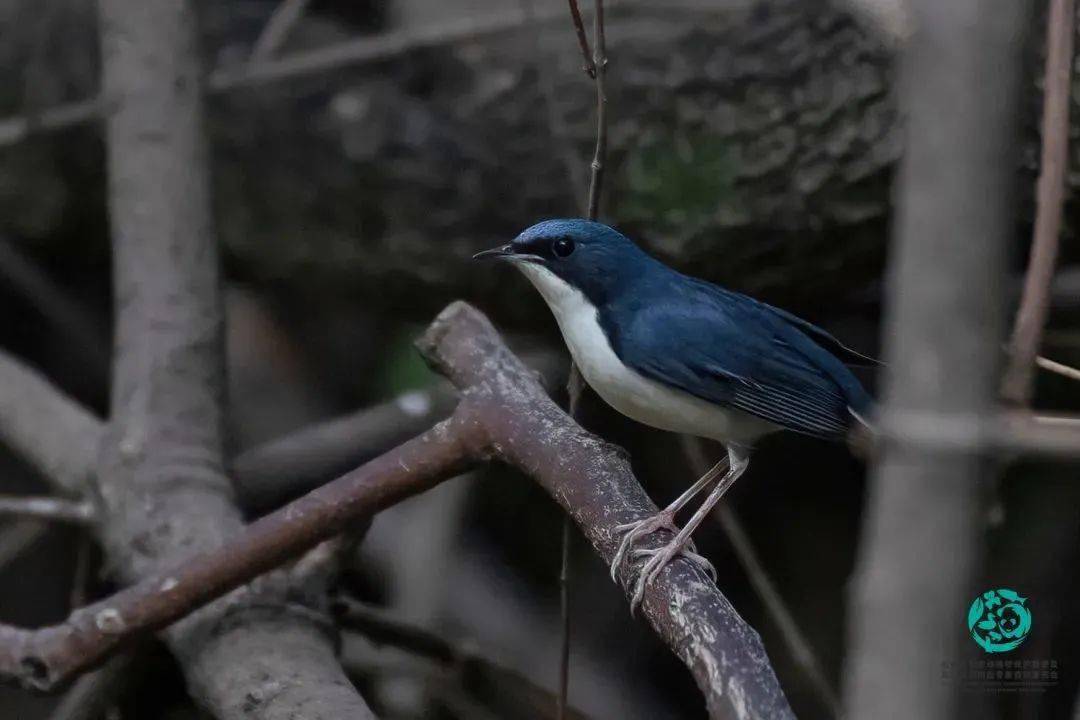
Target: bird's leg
x,y
665,519
658,558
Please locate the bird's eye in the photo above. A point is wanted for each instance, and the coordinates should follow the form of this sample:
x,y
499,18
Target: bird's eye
x,y
562,247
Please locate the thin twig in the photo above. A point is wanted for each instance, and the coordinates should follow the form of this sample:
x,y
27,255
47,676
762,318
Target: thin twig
x,y
596,67
1058,368
17,538
1016,386
797,643
583,40
277,29
600,155
80,512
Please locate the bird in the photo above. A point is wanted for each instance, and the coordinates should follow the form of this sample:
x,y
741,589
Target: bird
x,y
684,355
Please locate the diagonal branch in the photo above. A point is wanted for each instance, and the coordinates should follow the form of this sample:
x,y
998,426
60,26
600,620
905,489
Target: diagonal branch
x,y
46,428
505,414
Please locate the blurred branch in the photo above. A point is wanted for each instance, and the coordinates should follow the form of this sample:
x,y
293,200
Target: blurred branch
x,y
797,644
285,17
77,329
1057,368
275,472
505,414
350,52
17,537
162,487
46,428
93,693
583,40
1016,385
472,669
924,522
80,512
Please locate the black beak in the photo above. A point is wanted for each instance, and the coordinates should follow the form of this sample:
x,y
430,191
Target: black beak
x,y
502,251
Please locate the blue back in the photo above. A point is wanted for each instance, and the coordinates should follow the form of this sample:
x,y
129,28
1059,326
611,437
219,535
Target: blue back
x,y
715,344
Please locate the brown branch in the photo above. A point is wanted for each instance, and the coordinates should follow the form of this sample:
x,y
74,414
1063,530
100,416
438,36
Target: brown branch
x,y
583,40
1016,385
49,656
600,154
594,484
505,414
80,512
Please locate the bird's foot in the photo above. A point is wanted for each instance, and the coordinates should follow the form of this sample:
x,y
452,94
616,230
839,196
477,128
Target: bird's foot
x,y
632,532
658,559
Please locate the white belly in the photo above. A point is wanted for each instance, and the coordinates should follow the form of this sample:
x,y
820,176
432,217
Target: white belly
x,y
631,393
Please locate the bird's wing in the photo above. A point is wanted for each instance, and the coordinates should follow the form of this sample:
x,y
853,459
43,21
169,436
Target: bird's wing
x,y
732,351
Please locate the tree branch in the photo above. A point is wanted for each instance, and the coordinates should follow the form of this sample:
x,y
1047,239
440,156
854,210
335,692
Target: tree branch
x,y
80,512
1016,385
47,428
163,491
504,413
924,521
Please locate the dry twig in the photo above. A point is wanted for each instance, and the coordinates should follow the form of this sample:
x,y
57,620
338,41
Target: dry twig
x,y
1016,386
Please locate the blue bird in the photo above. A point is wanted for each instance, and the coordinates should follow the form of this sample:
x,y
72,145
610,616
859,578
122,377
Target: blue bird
x,y
687,356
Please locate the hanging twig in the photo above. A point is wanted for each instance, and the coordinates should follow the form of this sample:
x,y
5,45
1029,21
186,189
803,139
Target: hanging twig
x,y
596,68
1016,386
583,40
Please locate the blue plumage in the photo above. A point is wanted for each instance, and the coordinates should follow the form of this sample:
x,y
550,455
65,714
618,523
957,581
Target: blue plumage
x,y
717,345
685,355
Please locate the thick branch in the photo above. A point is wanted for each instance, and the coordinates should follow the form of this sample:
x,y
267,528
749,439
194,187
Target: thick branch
x,y
593,482
504,413
924,523
43,658
164,493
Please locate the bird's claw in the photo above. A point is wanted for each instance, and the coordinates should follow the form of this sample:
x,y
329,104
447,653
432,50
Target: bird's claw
x,y
658,557
658,560
634,531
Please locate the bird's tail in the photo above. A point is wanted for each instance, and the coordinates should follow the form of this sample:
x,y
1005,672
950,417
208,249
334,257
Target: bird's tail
x,y
862,437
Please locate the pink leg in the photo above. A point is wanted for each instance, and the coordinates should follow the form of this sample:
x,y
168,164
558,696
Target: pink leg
x,y
665,519
660,557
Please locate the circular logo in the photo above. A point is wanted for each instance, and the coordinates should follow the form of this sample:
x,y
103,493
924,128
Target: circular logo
x,y
999,620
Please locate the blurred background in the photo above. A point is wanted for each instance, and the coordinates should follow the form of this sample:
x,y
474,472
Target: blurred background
x,y
752,143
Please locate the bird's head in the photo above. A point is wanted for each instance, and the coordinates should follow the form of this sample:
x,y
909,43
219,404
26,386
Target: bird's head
x,y
587,256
